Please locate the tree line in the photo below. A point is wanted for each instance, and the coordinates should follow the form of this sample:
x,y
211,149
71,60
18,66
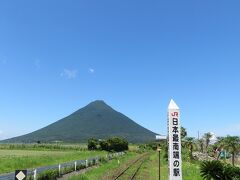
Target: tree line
x,y
220,151
115,144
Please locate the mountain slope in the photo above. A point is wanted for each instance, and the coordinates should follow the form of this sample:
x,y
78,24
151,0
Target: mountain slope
x,y
94,120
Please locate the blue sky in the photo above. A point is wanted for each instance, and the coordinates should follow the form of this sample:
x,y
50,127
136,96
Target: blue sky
x,y
57,56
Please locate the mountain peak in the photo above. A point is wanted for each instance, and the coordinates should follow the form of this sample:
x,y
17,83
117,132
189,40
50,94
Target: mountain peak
x,y
97,120
98,104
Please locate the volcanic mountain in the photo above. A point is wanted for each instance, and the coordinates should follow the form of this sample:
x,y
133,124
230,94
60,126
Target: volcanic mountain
x,y
97,120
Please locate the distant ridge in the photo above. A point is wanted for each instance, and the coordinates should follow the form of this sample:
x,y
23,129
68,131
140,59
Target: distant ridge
x,y
97,120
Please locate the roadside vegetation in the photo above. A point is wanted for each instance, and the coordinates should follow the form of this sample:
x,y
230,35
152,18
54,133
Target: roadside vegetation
x,y
114,144
149,169
218,160
202,159
106,168
43,146
10,160
30,156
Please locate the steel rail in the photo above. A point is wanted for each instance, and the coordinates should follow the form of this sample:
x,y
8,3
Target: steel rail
x,y
129,166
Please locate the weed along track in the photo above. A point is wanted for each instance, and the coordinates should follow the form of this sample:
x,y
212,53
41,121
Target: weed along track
x,y
131,171
139,167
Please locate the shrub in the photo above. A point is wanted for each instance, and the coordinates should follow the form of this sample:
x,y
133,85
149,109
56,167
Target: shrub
x,y
67,170
236,172
152,146
94,162
228,172
103,160
217,171
104,145
48,175
114,144
92,144
81,166
117,144
211,169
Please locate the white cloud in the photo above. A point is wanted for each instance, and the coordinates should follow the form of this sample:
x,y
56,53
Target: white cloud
x,y
91,70
1,132
69,74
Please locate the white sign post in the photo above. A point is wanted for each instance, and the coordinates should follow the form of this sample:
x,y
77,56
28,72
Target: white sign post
x,y
174,142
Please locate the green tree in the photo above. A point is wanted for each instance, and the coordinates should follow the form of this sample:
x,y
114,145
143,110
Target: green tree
x,y
114,144
219,146
189,143
183,132
207,137
117,144
200,143
92,144
232,144
104,145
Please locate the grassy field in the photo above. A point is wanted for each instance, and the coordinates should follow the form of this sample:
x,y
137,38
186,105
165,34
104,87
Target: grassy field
x,y
10,160
14,157
106,169
149,169
42,147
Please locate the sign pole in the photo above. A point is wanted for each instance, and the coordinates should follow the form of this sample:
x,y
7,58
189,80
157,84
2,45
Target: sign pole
x,y
174,142
159,165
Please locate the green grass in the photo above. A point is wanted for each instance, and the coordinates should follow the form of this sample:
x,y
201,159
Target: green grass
x,y
149,169
52,147
105,169
10,160
191,171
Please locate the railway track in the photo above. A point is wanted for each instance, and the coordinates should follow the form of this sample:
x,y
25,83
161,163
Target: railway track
x,y
136,165
135,173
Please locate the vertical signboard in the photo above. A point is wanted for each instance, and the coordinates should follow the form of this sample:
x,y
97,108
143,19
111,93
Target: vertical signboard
x,y
174,142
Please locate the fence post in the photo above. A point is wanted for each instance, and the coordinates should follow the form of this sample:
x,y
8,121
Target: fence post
x,y
86,163
95,161
75,163
59,169
35,174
